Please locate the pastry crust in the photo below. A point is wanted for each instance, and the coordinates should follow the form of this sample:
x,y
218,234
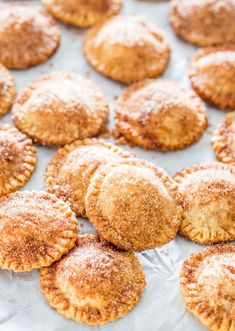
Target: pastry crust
x,y
208,285
224,140
36,230
23,24
212,74
83,13
7,90
133,204
160,114
59,108
204,22
18,159
208,201
127,49
95,283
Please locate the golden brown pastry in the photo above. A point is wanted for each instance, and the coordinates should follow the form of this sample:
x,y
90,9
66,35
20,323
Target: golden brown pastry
x,y
28,35
204,22
36,230
69,172
208,286
95,283
224,140
133,204
208,201
82,13
59,108
159,114
212,74
127,49
7,90
18,159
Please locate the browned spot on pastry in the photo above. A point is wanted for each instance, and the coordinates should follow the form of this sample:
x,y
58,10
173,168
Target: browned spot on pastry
x,y
7,90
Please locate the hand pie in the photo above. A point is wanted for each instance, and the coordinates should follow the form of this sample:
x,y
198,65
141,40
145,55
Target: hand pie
x,y
208,201
28,35
160,114
18,159
224,140
127,49
204,22
59,108
133,204
95,283
68,174
7,90
212,74
208,286
82,13
36,230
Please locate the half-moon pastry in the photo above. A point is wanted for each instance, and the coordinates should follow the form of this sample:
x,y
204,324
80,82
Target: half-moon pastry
x,y
204,22
208,286
160,114
36,229
208,201
212,74
18,159
127,49
28,35
59,108
83,13
7,90
133,204
69,172
94,283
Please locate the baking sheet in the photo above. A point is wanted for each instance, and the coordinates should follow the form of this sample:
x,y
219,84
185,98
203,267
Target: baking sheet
x,y
22,306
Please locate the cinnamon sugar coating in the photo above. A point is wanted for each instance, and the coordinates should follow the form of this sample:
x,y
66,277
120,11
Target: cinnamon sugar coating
x,y
36,230
127,49
28,35
204,22
208,286
95,283
133,204
59,108
7,90
208,201
160,114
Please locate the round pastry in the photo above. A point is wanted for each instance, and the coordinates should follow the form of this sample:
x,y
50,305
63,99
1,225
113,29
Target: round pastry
x,y
68,174
7,90
224,140
133,204
160,114
208,201
59,108
28,35
82,13
18,159
127,49
208,286
204,22
36,230
212,74
95,283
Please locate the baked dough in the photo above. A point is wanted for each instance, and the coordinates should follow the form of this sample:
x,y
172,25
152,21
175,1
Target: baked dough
x,y
224,140
204,22
208,286
36,229
59,108
208,201
95,283
133,204
82,13
7,90
18,159
69,172
28,35
212,74
160,114
127,49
